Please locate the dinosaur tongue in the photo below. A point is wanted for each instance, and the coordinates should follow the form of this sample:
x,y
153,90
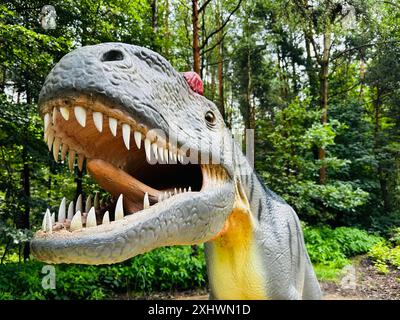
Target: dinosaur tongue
x,y
117,181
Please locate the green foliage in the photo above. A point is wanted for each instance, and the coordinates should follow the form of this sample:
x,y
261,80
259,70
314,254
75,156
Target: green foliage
x,y
354,241
290,167
271,79
395,236
384,255
172,268
333,247
381,267
327,273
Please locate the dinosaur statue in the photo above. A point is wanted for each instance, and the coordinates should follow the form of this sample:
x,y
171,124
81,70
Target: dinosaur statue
x,y
94,101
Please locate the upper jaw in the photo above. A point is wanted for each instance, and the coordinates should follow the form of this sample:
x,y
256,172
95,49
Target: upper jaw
x,y
193,217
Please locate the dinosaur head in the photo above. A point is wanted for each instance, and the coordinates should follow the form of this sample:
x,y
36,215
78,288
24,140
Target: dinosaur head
x,y
156,146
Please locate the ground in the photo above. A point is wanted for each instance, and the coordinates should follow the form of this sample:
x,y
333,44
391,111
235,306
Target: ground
x,y
359,282
369,285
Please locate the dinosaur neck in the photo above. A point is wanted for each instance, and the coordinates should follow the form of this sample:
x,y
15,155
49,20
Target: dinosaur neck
x,y
234,265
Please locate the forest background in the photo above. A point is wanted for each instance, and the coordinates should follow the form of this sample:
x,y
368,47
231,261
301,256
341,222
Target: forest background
x,y
317,80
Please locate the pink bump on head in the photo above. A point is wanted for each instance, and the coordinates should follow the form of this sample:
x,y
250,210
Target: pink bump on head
x,y
194,81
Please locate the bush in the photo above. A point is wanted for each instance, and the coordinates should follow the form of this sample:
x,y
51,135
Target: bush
x,y
355,241
177,268
383,255
333,247
169,268
395,236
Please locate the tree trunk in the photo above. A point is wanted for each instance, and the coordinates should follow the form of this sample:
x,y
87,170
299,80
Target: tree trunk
x,y
26,182
221,102
323,78
251,111
294,78
154,16
213,84
381,174
27,196
5,251
312,77
154,22
167,33
196,45
203,35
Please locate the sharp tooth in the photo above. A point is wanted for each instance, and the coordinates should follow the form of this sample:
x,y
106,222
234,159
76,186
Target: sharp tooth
x,y
76,222
113,126
190,189
180,158
80,115
88,203
53,219
119,208
45,219
48,126
126,134
78,206
71,160
56,148
146,203
175,158
184,190
64,150
54,115
98,120
91,218
165,195
175,191
147,148
154,147
61,211
64,112
106,218
180,190
50,139
166,155
138,138
46,121
170,155
81,157
96,200
49,223
161,153
70,211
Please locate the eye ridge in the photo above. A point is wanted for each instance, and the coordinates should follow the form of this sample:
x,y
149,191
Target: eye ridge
x,y
210,117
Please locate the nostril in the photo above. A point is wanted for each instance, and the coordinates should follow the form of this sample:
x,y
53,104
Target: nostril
x,y
112,55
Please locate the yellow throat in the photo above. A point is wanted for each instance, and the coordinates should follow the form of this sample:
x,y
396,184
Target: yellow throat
x,y
235,268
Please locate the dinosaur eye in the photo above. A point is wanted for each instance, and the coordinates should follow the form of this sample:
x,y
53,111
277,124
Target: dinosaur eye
x,y
210,117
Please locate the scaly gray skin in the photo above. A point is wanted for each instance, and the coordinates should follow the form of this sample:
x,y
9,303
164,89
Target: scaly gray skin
x,y
143,85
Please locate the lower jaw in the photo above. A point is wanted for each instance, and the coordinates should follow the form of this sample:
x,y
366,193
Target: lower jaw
x,y
182,220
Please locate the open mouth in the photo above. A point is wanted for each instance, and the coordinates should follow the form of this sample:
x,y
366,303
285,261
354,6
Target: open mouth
x,y
137,167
